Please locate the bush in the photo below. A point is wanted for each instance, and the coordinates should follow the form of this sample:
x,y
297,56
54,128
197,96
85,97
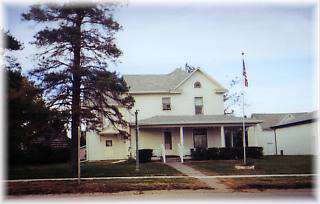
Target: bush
x,y
43,154
254,152
226,153
213,153
199,154
145,155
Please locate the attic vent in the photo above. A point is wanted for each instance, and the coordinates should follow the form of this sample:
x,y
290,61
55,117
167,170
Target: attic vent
x,y
197,85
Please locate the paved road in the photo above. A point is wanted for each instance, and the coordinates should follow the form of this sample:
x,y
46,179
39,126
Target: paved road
x,y
295,194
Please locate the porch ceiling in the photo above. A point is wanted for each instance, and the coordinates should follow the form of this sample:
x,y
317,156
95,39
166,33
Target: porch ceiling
x,y
196,120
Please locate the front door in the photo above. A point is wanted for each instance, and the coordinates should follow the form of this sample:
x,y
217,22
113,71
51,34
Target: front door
x,y
200,138
168,142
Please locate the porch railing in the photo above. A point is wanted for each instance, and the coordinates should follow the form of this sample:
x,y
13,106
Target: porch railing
x,y
181,152
163,153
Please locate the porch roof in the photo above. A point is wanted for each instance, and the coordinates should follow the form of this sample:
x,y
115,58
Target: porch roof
x,y
199,120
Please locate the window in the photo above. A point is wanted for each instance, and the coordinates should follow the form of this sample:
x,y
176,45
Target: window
x,y
200,138
108,143
198,105
197,85
166,103
167,140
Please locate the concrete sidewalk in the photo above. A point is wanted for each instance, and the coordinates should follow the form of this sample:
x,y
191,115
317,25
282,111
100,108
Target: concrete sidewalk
x,y
300,195
191,172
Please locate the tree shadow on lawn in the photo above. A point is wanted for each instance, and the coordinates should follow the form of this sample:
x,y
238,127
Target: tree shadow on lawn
x,y
91,169
261,184
105,186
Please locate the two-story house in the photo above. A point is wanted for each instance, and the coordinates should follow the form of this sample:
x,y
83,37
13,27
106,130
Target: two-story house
x,y
177,112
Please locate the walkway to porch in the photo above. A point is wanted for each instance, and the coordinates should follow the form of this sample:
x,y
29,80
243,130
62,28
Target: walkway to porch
x,y
191,172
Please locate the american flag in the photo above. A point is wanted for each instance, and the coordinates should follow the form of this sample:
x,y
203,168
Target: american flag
x,y
245,74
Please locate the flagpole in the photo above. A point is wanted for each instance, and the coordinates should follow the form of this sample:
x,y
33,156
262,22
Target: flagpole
x,y
243,122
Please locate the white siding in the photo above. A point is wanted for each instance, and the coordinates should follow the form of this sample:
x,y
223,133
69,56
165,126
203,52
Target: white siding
x,y
297,140
293,140
97,150
182,104
262,138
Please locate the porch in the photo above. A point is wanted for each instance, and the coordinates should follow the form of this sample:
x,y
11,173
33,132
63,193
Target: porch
x,y
177,135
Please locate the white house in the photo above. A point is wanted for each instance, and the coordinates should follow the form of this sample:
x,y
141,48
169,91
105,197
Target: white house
x,y
177,111
286,133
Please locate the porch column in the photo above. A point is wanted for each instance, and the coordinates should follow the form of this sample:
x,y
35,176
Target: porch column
x,y
232,138
182,144
223,143
181,136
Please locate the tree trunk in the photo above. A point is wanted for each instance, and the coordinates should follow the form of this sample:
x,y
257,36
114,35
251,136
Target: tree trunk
x,y
76,100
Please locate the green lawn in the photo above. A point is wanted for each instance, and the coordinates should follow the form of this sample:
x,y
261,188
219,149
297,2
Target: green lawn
x,y
90,169
267,165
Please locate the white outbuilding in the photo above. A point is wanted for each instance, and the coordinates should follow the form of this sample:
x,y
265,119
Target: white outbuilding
x,y
287,133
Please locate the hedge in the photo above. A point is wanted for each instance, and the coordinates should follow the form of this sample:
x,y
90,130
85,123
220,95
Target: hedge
x,y
226,153
42,154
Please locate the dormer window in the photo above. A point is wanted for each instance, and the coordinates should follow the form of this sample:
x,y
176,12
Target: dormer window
x,y
197,85
166,103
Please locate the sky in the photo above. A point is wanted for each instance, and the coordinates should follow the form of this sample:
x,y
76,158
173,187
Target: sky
x,y
279,41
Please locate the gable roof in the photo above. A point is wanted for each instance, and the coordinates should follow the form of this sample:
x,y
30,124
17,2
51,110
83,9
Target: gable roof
x,y
206,75
165,83
274,119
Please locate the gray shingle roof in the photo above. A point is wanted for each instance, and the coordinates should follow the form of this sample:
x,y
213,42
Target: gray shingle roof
x,y
195,119
155,82
297,119
273,119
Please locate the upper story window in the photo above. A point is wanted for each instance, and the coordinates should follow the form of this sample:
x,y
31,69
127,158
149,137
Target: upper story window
x,y
198,105
166,103
197,84
108,143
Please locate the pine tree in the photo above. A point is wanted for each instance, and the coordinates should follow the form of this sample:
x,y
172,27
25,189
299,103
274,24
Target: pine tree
x,y
77,46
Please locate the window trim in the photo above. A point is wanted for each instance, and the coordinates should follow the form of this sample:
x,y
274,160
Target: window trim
x,y
194,133
195,106
165,106
110,143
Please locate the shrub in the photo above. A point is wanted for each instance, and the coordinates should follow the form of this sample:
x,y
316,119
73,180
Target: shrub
x,y
145,155
226,153
213,153
199,154
43,154
254,152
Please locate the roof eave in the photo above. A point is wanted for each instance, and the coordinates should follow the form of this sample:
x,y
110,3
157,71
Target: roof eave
x,y
292,124
195,125
251,123
155,92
